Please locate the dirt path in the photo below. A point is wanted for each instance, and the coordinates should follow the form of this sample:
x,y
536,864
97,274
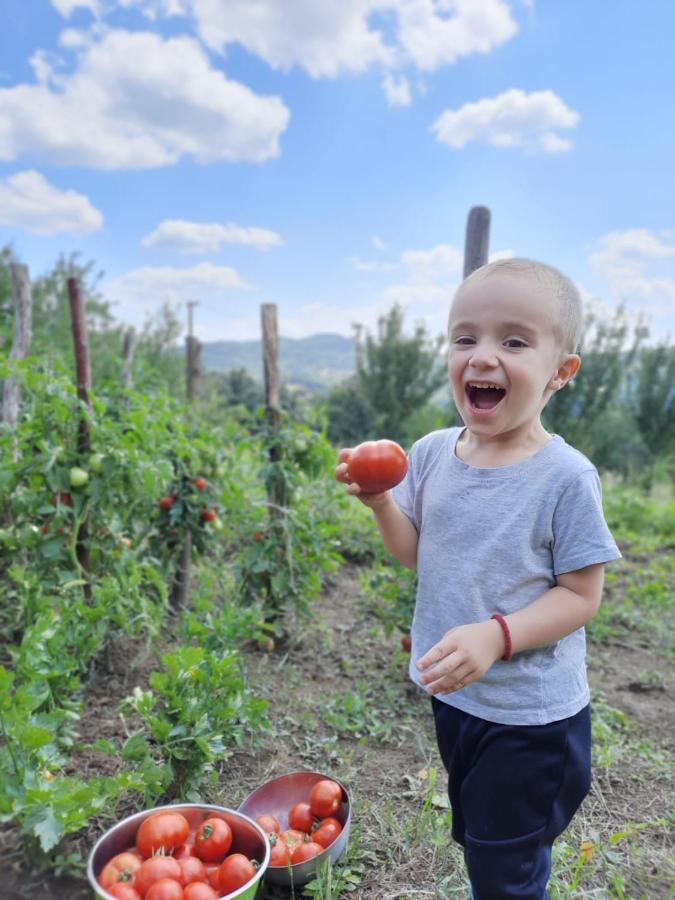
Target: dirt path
x,y
341,702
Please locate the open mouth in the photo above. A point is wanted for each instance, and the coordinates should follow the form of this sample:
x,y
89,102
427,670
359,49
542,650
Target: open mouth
x,y
484,396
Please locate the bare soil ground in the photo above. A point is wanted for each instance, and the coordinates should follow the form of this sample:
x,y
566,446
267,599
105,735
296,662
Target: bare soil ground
x,y
340,702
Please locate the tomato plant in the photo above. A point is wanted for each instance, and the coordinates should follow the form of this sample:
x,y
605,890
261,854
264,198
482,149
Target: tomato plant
x,y
235,871
213,839
325,798
377,466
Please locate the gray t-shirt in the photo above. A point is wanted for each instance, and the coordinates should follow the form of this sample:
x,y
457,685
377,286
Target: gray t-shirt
x,y
492,541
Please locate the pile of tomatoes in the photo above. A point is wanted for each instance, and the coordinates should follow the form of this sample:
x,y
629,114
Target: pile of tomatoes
x,y
312,825
171,861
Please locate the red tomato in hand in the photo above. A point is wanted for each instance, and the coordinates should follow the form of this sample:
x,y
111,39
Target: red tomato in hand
x,y
165,889
306,851
192,870
199,891
292,837
122,867
157,868
268,823
325,798
235,871
213,839
161,832
122,891
329,828
300,817
280,855
377,466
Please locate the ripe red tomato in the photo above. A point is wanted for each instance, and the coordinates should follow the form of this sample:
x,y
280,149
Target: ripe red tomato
x,y
161,832
235,871
406,643
186,850
306,851
157,868
200,483
208,515
300,817
120,868
377,466
212,875
192,870
166,502
329,828
199,891
292,837
213,839
325,798
280,855
165,889
268,823
122,891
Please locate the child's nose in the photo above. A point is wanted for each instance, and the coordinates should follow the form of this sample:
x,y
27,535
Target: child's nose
x,y
483,356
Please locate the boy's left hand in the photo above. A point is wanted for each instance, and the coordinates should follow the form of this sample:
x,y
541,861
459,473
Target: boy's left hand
x,y
461,656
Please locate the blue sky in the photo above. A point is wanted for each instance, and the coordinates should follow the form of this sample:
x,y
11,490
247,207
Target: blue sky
x,y
324,155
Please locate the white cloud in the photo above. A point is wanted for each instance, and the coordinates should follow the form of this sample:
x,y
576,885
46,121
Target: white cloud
x,y
66,8
145,290
442,261
136,100
438,32
328,38
512,119
325,39
182,236
638,268
29,202
397,90
378,243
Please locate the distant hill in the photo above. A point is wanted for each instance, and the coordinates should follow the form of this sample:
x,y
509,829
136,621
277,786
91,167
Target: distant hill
x,y
317,362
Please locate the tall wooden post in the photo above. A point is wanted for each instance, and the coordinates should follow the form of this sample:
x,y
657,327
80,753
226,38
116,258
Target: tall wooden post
x,y
23,329
128,349
193,357
477,240
276,493
83,384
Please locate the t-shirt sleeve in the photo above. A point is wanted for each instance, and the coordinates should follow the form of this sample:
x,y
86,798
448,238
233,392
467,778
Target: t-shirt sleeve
x,y
581,536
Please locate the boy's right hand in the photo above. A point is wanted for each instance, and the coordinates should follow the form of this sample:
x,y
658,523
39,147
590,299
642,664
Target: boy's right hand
x,y
342,475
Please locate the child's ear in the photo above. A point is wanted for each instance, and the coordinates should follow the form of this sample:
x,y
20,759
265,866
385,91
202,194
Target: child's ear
x,y
567,369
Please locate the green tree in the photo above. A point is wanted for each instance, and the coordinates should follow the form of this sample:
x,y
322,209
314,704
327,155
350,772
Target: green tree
x,y
396,375
581,410
653,402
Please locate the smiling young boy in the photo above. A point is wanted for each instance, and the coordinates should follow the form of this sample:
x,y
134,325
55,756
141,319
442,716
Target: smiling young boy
x,y
504,524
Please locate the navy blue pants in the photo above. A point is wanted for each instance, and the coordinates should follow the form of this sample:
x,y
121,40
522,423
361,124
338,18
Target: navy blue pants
x,y
513,789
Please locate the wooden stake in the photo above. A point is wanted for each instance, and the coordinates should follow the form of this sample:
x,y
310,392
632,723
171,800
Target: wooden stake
x,y
83,384
23,319
477,241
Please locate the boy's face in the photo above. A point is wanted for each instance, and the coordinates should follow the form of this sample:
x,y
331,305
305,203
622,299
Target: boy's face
x,y
504,359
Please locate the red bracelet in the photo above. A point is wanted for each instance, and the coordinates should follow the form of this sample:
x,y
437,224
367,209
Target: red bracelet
x,y
508,647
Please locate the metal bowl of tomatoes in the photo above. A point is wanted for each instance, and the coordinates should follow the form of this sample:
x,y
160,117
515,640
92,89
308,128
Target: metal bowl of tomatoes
x,y
300,810
191,851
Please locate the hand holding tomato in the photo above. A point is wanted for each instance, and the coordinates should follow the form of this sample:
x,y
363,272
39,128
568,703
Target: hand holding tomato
x,y
372,468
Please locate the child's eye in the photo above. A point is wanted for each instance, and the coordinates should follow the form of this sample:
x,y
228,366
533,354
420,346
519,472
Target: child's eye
x,y
515,343
464,340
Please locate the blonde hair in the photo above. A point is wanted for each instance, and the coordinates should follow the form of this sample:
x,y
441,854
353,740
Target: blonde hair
x,y
570,313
